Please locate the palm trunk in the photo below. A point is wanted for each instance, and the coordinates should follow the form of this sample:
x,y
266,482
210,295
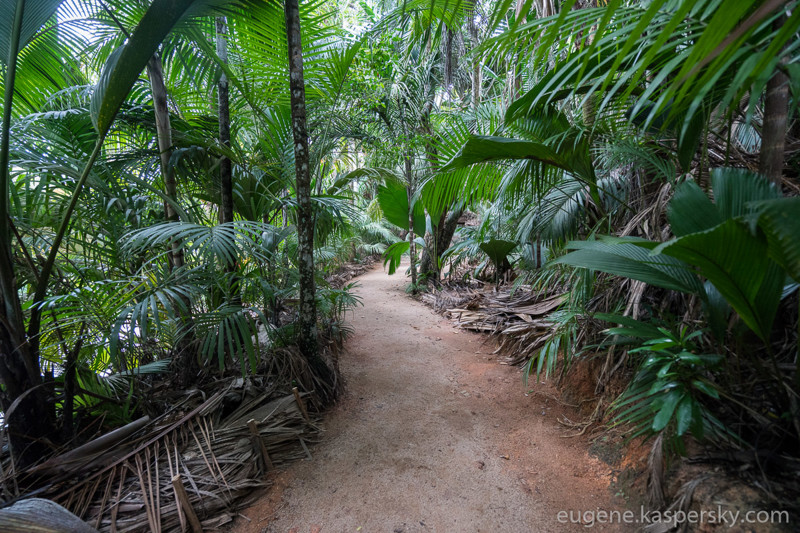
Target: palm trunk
x,y
412,250
33,417
185,361
158,89
444,230
449,65
409,175
225,173
440,241
307,335
225,170
776,118
12,329
516,83
70,375
476,63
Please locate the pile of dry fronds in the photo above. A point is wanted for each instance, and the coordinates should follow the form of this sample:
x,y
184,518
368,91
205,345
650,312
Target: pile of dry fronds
x,y
348,271
518,318
198,463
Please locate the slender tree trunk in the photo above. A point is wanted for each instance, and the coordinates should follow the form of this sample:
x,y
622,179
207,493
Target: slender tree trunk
x,y
307,335
476,62
186,361
517,79
33,417
158,88
31,423
70,375
412,250
448,60
12,329
225,172
545,8
773,131
409,175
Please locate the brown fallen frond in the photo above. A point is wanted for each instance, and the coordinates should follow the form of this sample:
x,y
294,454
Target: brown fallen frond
x,y
126,485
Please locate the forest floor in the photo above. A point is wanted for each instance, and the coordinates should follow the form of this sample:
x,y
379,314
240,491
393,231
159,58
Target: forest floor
x,y
433,435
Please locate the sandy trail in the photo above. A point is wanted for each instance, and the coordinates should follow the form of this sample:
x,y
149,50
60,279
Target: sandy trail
x,y
432,435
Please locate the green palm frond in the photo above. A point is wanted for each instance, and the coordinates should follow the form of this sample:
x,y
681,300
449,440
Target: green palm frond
x,y
220,244
704,54
557,214
230,331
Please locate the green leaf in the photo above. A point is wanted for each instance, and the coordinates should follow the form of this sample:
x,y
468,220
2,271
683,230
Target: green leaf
x,y
632,261
690,210
497,250
633,327
706,388
551,87
735,188
663,372
684,414
368,10
394,254
34,15
690,358
697,427
126,63
780,221
393,199
668,404
689,139
736,262
482,148
717,310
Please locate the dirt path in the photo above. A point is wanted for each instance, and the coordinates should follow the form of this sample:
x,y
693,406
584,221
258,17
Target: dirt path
x,y
433,435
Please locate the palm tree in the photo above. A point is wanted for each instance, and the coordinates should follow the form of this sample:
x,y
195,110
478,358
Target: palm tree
x,y
307,337
32,417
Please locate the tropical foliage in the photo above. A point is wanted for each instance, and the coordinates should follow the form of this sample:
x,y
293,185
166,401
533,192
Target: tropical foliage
x,y
117,252
164,212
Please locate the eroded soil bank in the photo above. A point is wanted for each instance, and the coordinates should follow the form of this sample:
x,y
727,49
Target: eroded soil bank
x,y
434,435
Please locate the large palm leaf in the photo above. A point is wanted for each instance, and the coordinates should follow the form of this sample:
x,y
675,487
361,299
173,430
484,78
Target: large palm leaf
x,y
713,240
673,62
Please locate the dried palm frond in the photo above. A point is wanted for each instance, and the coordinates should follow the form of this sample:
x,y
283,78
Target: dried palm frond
x,y
516,318
126,483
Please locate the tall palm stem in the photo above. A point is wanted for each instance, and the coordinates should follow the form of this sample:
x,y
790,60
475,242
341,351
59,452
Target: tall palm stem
x,y
223,99
307,337
8,293
776,119
155,72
